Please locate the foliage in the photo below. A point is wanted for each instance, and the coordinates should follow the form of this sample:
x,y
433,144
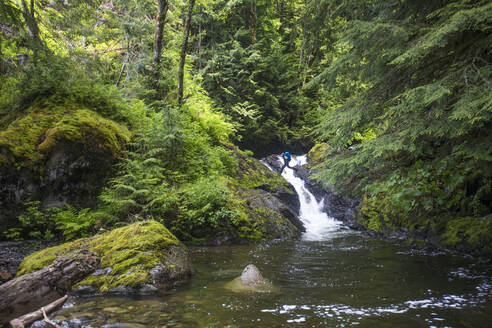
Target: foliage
x,y
75,224
54,222
420,119
396,93
34,223
208,203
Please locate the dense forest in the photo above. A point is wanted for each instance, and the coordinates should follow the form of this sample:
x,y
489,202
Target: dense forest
x,y
171,100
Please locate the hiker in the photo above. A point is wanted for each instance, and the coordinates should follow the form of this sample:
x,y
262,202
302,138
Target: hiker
x,y
286,156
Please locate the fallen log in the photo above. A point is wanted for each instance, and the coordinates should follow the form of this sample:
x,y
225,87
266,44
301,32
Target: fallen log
x,y
26,293
29,318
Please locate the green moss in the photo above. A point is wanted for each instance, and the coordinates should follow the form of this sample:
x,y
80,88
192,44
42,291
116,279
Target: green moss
x,y
39,260
370,214
469,233
26,140
89,128
251,173
318,153
128,251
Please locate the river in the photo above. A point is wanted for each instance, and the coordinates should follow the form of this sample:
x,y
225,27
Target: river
x,y
331,277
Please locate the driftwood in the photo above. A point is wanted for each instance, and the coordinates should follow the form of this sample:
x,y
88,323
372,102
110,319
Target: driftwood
x,y
29,318
48,320
26,293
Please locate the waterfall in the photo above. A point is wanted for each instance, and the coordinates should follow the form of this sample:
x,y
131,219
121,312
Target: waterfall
x,y
319,226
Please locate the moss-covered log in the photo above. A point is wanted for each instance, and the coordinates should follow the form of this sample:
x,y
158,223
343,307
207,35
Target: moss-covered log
x,y
28,292
140,258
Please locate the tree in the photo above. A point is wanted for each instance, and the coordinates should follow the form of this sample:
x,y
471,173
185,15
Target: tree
x,y
28,14
163,6
184,46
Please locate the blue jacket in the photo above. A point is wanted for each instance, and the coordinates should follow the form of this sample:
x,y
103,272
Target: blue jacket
x,y
287,156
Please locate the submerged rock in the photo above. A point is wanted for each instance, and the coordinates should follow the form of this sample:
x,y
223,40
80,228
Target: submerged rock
x,y
251,280
141,258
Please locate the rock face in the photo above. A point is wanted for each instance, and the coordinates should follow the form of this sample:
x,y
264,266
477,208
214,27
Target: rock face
x,y
141,258
271,203
56,156
251,280
334,204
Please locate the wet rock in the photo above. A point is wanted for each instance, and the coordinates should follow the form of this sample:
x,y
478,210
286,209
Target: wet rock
x,y
74,323
334,203
279,221
251,280
4,276
251,275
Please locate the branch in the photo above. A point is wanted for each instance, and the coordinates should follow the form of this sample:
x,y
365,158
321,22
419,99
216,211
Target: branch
x,y
48,320
29,318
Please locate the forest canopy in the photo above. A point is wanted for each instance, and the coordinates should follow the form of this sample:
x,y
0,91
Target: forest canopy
x,y
398,92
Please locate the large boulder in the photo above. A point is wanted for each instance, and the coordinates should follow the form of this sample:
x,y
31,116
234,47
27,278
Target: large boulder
x,y
270,203
56,154
253,204
141,258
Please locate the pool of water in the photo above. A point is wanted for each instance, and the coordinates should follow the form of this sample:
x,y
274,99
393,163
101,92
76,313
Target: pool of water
x,y
348,280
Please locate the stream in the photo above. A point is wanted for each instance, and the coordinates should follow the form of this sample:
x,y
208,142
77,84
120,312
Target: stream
x,y
331,277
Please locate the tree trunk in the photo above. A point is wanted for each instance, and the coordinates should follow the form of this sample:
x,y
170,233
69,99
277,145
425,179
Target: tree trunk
x,y
183,51
32,25
27,292
200,44
163,6
254,20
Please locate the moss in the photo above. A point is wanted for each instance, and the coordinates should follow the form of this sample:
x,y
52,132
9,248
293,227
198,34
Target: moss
x,y
251,173
28,139
370,214
89,128
129,251
469,233
39,260
318,154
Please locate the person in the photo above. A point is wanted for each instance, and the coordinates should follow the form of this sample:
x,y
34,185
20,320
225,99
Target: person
x,y
287,157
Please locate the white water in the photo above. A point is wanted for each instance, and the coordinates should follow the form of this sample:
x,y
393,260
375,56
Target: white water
x,y
319,226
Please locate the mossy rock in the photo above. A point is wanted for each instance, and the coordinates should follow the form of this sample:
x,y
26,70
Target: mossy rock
x,y
262,206
318,154
141,258
28,140
56,154
469,234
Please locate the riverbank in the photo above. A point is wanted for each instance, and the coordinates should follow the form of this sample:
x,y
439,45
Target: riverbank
x,y
13,252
